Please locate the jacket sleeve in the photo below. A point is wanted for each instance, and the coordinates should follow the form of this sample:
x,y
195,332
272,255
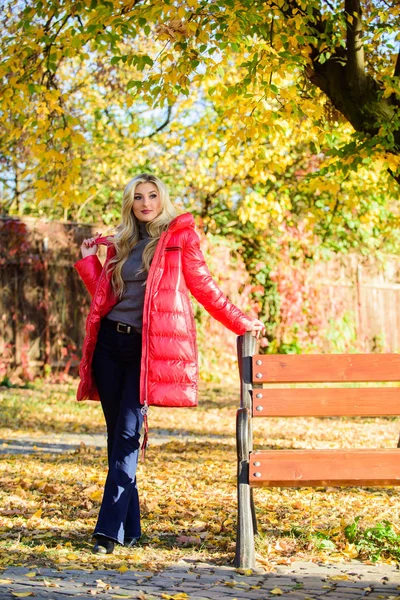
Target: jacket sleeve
x,y
207,292
89,269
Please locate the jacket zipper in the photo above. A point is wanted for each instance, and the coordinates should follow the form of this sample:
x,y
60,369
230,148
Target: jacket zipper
x,y
145,408
149,288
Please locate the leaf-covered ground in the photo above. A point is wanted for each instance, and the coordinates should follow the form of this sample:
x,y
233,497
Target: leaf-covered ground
x,y
49,502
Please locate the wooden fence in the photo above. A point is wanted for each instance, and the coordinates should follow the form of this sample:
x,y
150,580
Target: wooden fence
x,y
370,290
43,303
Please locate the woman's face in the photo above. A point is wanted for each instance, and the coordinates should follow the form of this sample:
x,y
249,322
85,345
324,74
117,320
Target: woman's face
x,y
146,203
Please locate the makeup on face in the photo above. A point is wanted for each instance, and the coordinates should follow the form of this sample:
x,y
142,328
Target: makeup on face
x,y
146,204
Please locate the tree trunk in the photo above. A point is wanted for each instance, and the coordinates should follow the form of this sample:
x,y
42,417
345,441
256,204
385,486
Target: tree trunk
x,y
343,78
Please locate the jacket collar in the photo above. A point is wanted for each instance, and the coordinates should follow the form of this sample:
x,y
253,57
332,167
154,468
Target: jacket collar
x,y
180,222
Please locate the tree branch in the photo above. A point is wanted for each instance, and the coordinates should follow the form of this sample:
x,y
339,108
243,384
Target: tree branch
x,y
82,206
397,67
163,125
355,51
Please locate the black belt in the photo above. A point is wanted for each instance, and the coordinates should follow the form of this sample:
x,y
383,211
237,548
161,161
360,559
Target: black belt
x,y
121,327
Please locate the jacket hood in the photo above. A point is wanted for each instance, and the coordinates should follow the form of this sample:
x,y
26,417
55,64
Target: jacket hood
x,y
180,222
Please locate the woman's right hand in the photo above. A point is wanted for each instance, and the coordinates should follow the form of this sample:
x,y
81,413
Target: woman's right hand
x,y
88,246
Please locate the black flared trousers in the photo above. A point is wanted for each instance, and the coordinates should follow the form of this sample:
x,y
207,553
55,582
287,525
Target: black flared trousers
x,y
116,370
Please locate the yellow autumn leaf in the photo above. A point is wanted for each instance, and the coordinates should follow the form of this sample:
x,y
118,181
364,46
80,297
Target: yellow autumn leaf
x,y
339,577
40,183
247,572
350,551
276,591
71,556
96,496
123,569
30,574
22,594
37,514
6,581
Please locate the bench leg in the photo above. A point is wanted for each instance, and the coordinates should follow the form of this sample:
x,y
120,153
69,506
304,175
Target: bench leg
x,y
244,558
253,512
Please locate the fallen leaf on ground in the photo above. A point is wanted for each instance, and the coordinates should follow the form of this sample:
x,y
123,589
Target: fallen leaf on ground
x,y
96,496
48,583
102,584
188,539
123,569
182,499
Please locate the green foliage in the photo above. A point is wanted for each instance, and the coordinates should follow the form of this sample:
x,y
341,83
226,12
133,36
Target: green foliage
x,y
235,106
341,334
380,540
77,80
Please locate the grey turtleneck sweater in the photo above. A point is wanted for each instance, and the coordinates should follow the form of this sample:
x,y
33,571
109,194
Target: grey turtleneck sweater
x,y
130,307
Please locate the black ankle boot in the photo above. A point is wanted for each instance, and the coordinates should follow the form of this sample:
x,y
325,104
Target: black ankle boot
x,y
103,545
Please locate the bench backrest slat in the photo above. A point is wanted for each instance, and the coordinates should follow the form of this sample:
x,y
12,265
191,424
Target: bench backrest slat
x,y
319,368
326,402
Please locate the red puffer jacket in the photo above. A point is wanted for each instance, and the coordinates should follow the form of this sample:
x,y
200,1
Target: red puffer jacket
x,y
169,367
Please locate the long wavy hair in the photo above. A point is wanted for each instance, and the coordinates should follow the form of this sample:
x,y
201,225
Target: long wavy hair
x,y
127,232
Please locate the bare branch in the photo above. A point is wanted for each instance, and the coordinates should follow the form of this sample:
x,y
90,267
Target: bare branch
x,y
82,206
163,125
330,5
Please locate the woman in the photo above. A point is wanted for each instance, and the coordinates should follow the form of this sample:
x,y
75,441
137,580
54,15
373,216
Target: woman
x,y
140,343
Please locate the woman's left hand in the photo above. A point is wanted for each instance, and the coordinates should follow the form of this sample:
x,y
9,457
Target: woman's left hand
x,y
256,327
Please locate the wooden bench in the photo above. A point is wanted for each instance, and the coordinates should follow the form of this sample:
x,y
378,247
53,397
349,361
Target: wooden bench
x,y
298,468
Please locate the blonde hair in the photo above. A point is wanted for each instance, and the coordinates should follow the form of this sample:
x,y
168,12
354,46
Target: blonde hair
x,y
127,232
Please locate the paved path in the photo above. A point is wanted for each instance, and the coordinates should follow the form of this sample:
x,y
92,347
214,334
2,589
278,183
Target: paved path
x,y
66,442
300,581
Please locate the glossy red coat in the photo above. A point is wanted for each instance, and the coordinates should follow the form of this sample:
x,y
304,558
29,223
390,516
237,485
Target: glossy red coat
x,y
169,367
